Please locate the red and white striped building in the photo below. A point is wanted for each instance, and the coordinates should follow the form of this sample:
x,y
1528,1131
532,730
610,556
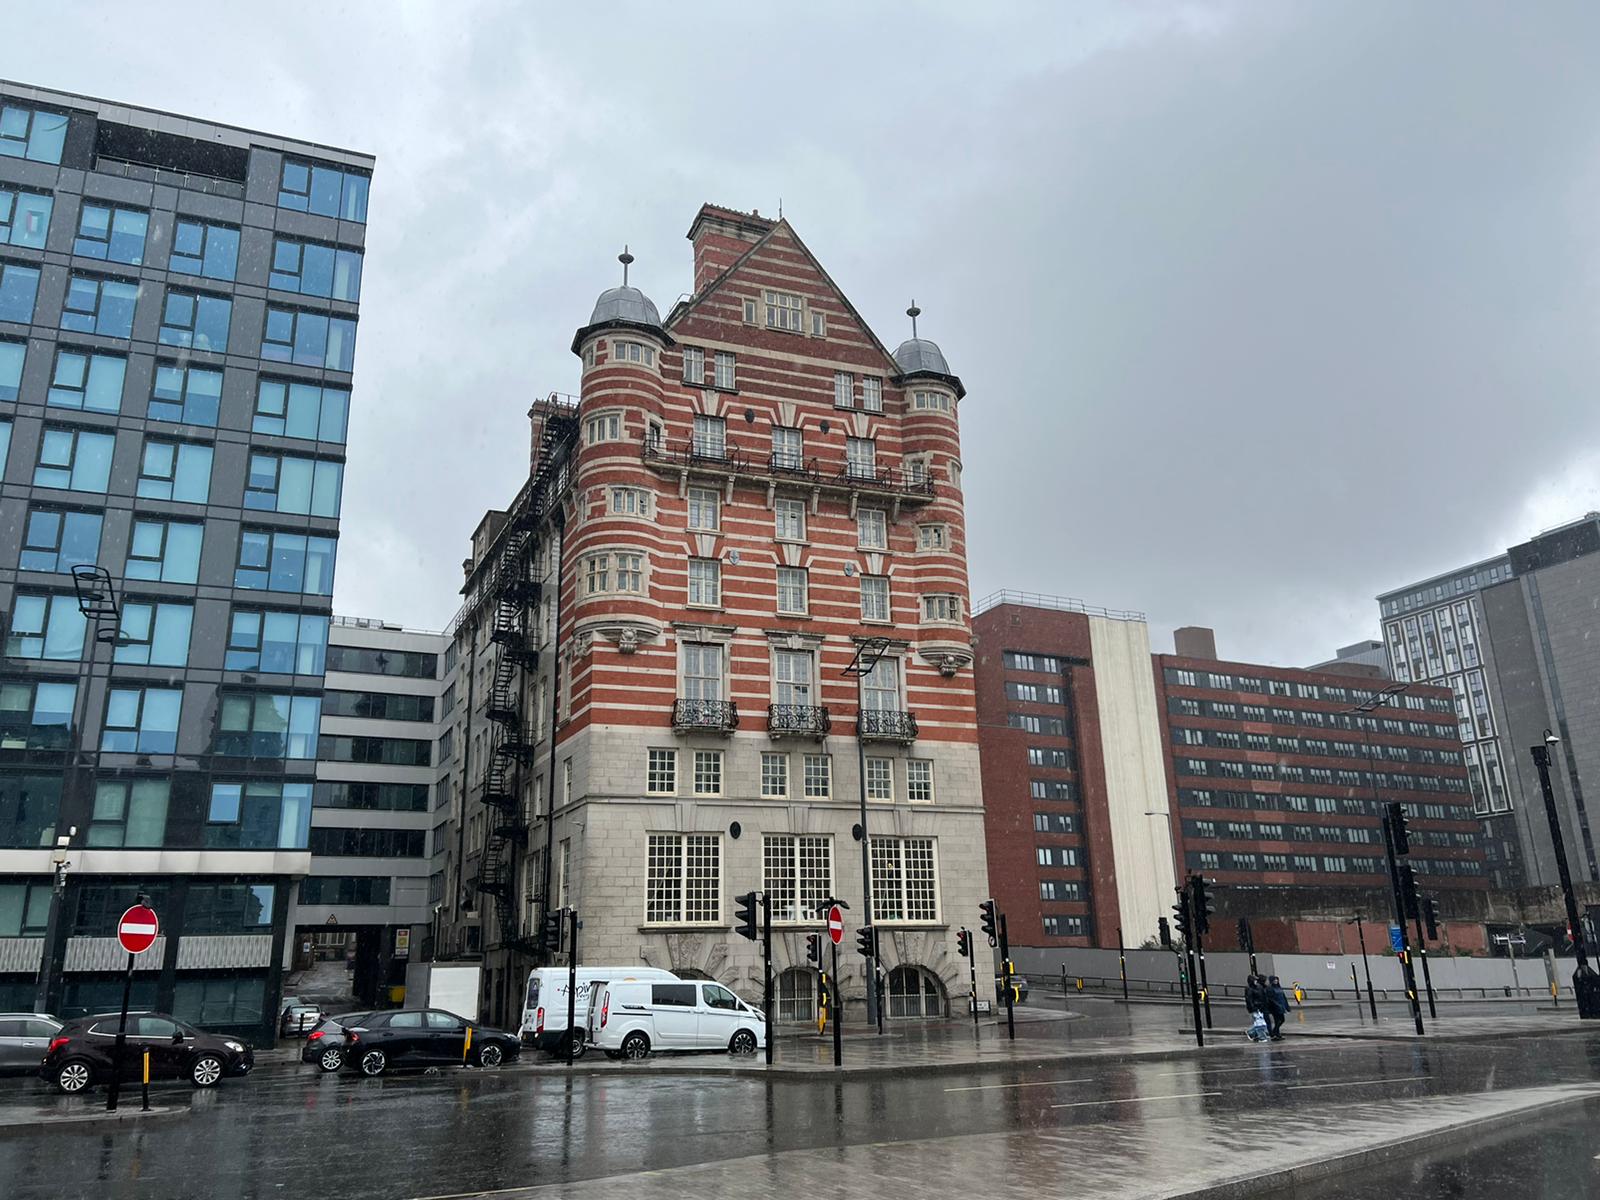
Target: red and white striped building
x,y
759,487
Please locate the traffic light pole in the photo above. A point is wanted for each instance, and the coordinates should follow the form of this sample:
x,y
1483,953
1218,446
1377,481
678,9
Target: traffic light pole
x,y
1122,963
572,988
838,1011
766,970
1422,953
1186,923
1372,1000
1205,985
1400,923
1584,983
1005,979
972,965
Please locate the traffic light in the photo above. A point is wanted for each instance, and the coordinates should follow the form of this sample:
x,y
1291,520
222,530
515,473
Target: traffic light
x,y
814,948
1164,932
1398,832
964,943
867,941
1408,891
746,912
550,931
1430,917
1203,906
987,909
1180,912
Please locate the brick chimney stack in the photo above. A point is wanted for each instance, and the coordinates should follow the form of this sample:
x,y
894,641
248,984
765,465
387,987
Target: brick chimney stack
x,y
720,237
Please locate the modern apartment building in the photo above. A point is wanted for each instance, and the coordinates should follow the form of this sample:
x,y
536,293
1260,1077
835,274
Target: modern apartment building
x,y
747,498
1434,633
376,820
1074,771
1514,637
1279,782
178,311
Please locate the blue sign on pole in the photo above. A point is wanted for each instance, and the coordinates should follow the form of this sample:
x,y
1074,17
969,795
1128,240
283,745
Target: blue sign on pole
x,y
1395,943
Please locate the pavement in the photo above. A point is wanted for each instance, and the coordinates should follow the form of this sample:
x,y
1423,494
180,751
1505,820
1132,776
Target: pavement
x,y
1084,1105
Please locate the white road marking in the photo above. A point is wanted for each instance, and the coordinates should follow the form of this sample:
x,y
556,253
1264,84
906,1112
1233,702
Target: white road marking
x,y
983,1087
1351,1083
1209,1070
1137,1099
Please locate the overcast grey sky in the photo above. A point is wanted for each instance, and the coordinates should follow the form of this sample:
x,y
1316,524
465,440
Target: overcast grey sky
x,y
1261,308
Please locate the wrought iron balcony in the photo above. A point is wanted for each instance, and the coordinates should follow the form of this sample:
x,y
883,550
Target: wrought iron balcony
x,y
798,720
715,716
886,725
908,484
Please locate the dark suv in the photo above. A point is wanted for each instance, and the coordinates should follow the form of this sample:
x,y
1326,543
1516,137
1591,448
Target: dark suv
x,y
423,1037
81,1054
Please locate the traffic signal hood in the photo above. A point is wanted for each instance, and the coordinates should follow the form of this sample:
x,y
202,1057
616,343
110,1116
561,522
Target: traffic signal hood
x,y
989,931
867,941
964,943
1204,907
746,913
1164,931
1399,834
550,931
1430,917
814,948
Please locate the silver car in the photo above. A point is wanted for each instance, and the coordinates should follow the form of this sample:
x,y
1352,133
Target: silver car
x,y
24,1039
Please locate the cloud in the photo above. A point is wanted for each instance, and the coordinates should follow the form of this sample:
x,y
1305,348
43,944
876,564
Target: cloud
x,y
1262,309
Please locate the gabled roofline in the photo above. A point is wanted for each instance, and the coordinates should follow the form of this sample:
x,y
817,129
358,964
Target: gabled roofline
x,y
682,308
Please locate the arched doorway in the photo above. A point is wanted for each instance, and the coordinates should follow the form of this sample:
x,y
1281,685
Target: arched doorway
x,y
797,996
691,973
915,993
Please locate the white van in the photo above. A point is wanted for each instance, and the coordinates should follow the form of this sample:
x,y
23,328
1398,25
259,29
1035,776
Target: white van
x,y
689,1014
544,1011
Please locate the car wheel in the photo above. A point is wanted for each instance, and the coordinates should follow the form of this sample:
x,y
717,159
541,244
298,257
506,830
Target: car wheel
x,y
373,1062
743,1042
74,1077
635,1045
207,1070
490,1055
331,1060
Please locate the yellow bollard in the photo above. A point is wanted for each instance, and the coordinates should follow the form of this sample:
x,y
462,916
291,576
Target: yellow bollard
x,y
145,1085
1080,983
466,1046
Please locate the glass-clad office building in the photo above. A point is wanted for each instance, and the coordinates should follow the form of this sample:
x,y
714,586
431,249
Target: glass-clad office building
x,y
178,322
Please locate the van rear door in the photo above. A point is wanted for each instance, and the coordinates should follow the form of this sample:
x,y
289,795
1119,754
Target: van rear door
x,y
591,1015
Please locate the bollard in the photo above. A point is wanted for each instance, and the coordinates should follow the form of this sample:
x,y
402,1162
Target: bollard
x,y
1064,985
466,1046
144,1086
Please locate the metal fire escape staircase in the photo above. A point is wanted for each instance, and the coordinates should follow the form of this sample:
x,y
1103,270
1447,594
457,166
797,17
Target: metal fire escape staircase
x,y
512,596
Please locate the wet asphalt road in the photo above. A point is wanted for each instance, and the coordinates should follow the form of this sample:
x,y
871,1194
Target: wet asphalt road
x,y
1555,1157
295,1133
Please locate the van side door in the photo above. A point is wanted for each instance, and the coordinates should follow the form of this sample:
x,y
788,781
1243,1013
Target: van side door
x,y
719,1016
674,1007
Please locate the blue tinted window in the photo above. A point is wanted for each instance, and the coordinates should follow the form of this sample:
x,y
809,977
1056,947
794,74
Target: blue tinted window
x,y
154,635
191,395
196,320
18,287
259,816
301,410
35,717
12,355
57,540
168,551
175,471
268,725
208,250
45,626
312,339
315,270
285,562
24,218
114,234
310,187
89,381
286,483
103,306
279,643
142,720
31,133
5,444
75,459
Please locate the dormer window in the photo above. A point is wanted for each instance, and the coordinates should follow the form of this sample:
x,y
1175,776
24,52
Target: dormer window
x,y
785,310
633,352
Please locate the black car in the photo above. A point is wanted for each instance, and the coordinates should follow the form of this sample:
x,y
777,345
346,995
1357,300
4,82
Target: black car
x,y
81,1054
326,1044
424,1037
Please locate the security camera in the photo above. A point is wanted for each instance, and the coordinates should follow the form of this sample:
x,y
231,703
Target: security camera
x,y
1550,739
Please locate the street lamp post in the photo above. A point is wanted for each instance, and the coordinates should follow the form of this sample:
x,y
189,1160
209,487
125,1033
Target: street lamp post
x,y
1585,981
869,652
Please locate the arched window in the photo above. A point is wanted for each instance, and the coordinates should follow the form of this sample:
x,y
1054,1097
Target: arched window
x,y
797,995
915,993
691,973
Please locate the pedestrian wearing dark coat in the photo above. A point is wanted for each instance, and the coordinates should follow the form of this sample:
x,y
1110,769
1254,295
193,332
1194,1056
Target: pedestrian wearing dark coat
x,y
1277,1008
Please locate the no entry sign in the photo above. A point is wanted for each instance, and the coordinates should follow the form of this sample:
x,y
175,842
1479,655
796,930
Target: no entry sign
x,y
138,928
835,924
